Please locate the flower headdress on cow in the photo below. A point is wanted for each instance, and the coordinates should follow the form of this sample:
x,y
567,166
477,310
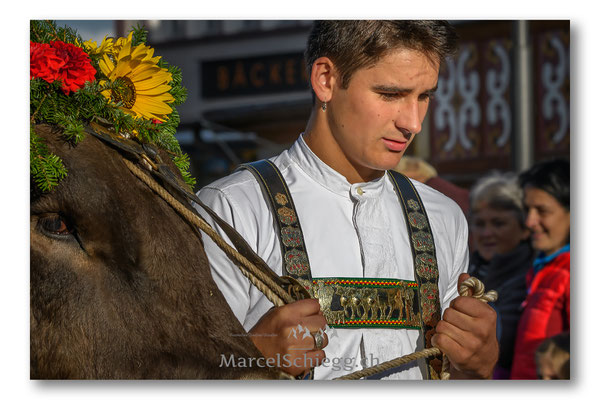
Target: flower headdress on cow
x,y
119,82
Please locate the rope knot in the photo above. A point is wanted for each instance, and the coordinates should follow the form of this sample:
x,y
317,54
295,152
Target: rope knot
x,y
476,287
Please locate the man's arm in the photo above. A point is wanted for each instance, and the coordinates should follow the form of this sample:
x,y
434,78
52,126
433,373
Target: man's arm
x,y
230,281
283,333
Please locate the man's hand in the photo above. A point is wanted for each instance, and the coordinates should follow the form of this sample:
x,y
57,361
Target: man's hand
x,y
467,335
278,332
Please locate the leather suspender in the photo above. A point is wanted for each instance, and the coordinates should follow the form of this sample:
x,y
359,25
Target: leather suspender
x,y
291,239
425,262
367,302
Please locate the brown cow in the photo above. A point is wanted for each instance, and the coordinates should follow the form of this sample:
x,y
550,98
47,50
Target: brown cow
x,y
120,285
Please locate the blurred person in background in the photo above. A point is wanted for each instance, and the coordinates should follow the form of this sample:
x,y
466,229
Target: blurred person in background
x,y
546,312
553,357
502,254
420,170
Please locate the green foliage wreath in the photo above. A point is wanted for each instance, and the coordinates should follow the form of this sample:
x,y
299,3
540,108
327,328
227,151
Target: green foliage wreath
x,y
120,82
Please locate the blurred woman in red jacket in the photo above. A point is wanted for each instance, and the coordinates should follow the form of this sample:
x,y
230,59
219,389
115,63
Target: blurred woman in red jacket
x,y
546,310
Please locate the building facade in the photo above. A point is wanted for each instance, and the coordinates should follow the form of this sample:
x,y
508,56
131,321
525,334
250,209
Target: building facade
x,y
248,95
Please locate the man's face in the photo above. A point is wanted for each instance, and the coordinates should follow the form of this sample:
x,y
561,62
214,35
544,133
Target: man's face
x,y
374,120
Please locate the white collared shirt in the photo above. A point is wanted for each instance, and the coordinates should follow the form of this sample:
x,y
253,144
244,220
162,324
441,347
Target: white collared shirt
x,y
350,230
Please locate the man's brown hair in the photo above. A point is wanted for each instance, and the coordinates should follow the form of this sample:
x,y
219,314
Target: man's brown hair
x,y
356,44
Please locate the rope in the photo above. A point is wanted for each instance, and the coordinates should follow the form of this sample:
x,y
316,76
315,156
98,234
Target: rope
x,y
274,293
280,297
434,351
478,290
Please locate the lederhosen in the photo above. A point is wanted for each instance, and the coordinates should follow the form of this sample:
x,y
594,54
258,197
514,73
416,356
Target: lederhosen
x,y
363,302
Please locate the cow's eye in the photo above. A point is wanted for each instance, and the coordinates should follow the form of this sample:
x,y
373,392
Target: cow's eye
x,y
55,224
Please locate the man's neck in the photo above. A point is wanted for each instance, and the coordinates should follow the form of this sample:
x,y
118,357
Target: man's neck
x,y
320,140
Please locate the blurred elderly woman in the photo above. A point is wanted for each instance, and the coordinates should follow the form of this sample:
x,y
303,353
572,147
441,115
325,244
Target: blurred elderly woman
x,y
547,309
502,254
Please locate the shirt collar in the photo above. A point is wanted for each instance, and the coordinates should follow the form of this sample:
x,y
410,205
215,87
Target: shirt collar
x,y
326,176
542,259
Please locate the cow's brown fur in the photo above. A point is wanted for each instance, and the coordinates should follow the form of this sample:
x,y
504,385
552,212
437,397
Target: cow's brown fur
x,y
128,294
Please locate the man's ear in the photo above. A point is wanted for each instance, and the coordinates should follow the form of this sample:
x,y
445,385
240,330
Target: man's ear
x,y
322,78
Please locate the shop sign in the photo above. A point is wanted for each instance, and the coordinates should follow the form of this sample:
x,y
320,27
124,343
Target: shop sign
x,y
279,73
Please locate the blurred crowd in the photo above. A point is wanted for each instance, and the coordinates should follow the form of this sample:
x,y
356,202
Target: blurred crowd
x,y
520,246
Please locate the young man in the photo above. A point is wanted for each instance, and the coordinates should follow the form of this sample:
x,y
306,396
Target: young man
x,y
372,82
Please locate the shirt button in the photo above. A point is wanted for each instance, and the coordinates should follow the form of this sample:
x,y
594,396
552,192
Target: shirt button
x,y
360,191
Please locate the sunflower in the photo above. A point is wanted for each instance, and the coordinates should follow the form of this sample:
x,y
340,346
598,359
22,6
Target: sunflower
x,y
136,81
105,47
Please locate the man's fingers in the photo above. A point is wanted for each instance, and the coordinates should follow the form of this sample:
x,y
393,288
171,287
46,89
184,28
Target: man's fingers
x,y
458,318
446,344
289,331
463,328
466,334
314,322
461,278
451,331
450,348
303,307
472,307
449,342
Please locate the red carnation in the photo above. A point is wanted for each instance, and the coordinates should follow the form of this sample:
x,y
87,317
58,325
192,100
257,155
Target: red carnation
x,y
61,61
78,68
44,62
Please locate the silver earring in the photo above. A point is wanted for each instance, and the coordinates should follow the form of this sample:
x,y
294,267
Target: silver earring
x,y
324,106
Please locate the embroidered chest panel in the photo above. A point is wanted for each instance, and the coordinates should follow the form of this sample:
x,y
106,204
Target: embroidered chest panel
x,y
368,302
